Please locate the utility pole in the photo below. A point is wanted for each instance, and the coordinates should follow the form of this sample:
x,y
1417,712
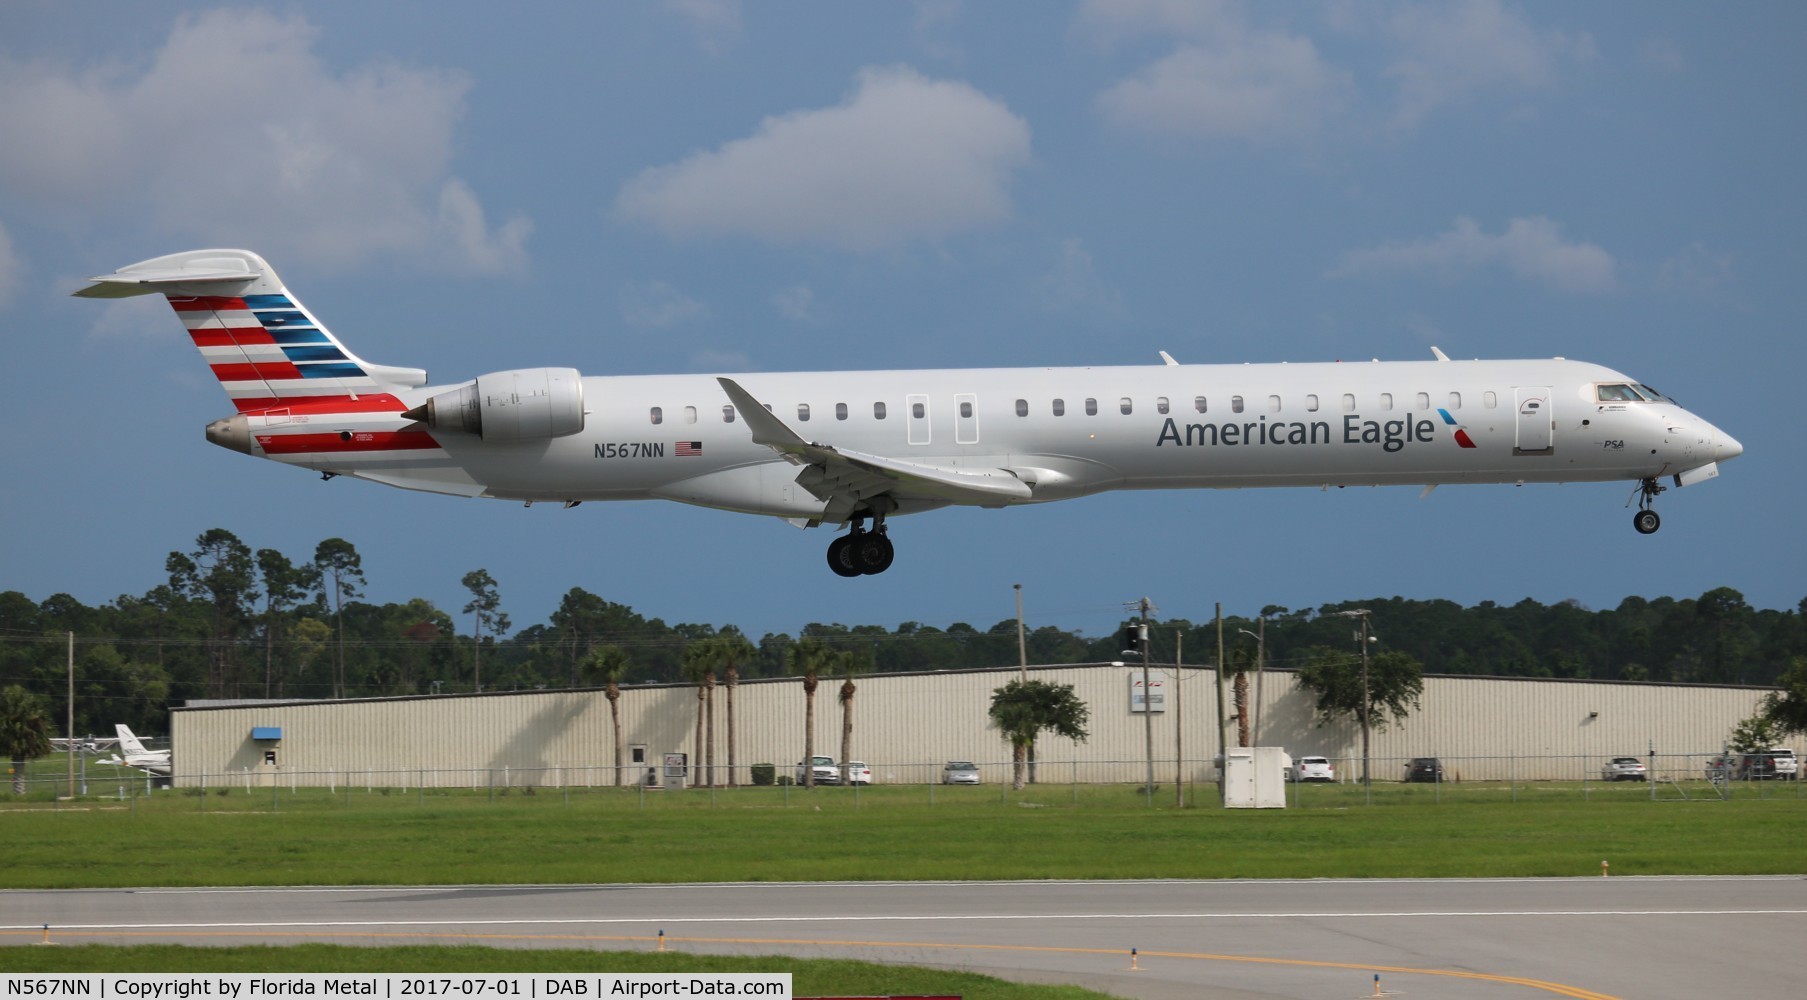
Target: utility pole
x,y
1179,757
71,754
1362,637
1223,748
1022,649
1147,703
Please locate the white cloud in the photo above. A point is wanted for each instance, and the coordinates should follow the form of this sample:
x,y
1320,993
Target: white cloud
x,y
716,22
1451,51
11,268
1226,79
902,158
798,303
659,306
235,133
1073,282
1531,248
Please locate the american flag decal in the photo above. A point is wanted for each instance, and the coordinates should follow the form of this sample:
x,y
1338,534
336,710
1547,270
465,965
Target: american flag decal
x,y
690,449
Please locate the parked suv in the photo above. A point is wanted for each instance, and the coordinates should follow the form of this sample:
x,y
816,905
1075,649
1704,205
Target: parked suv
x,y
1623,769
1313,769
1424,769
1756,767
1788,768
824,767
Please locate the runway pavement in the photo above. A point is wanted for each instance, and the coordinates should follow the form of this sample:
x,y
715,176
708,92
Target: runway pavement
x,y
1624,937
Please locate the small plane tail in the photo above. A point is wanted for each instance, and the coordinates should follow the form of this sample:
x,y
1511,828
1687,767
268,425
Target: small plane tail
x,y
265,347
128,743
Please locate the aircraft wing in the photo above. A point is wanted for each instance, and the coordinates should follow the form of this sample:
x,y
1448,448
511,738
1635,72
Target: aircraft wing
x,y
842,478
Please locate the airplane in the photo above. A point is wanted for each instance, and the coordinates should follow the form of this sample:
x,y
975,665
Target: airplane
x,y
134,754
852,447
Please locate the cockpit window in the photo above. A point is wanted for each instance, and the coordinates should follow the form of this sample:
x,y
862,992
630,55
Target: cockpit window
x,y
1620,393
1653,394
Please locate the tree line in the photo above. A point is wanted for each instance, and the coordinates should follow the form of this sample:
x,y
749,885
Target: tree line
x,y
234,622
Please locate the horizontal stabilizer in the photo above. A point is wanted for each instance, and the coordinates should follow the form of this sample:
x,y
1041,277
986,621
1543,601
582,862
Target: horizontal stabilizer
x,y
212,272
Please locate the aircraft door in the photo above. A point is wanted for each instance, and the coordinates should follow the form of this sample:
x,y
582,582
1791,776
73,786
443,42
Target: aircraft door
x,y
918,417
1536,421
966,418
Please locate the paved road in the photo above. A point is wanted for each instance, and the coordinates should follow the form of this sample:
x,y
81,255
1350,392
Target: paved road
x,y
1482,938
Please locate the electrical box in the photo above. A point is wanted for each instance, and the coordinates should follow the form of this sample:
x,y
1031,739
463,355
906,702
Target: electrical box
x,y
1255,777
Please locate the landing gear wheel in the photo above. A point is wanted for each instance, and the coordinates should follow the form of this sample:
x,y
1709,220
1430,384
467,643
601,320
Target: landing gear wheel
x,y
1646,522
872,553
840,556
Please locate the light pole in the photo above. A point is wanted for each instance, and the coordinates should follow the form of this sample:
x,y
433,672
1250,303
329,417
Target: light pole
x,y
1260,659
1022,650
1143,606
1361,614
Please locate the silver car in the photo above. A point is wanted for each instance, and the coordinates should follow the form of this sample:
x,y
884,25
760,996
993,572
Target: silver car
x,y
1622,769
960,772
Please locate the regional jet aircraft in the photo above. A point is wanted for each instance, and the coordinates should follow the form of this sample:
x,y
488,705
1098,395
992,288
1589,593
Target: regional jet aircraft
x,y
857,448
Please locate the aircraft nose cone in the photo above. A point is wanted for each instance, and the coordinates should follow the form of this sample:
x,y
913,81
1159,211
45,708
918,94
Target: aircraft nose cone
x,y
1725,446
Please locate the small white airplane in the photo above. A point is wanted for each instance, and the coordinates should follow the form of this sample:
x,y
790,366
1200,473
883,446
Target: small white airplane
x,y
848,448
134,754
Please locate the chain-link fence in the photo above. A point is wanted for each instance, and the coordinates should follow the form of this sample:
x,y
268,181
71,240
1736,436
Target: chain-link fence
x,y
1190,783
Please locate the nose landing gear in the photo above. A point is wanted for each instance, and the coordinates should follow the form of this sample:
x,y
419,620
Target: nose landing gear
x,y
861,552
1646,519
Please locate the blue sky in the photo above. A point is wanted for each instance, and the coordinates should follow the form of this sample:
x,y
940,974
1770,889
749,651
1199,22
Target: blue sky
x,y
704,185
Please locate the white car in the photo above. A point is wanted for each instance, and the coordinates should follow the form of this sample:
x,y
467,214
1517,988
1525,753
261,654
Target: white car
x,y
1313,769
858,773
826,773
1788,768
960,772
1622,769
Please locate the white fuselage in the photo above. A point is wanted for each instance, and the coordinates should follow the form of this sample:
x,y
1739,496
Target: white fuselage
x,y
1069,432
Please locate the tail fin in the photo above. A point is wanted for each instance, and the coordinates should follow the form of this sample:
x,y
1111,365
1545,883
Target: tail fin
x,y
128,743
263,345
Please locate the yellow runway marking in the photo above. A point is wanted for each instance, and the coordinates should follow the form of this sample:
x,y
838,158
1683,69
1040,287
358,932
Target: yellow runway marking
x,y
1559,989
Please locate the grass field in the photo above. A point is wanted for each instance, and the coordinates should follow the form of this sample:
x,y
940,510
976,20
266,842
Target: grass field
x,y
346,836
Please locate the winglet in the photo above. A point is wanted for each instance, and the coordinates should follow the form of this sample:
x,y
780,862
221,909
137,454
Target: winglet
x,y
767,428
1167,359
1440,355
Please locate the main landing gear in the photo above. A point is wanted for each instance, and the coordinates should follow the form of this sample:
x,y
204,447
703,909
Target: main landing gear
x,y
861,552
1646,519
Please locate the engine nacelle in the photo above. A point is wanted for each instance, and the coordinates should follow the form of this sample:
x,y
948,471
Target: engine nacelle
x,y
531,404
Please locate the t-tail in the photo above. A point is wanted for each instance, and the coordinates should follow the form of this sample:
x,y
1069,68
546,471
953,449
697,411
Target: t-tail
x,y
263,345
128,742
275,360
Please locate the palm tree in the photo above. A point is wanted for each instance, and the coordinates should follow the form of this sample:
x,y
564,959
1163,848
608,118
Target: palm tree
x,y
1022,709
25,729
1242,659
607,665
808,659
699,666
850,663
732,650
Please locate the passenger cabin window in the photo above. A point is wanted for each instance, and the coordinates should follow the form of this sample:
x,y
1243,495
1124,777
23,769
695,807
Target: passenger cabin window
x,y
1235,404
1489,400
1311,402
658,414
1160,404
1091,407
1124,405
802,411
1198,403
727,414
966,410
840,411
1348,402
878,411
1022,407
690,414
1273,404
917,410
1455,400
1424,401
1386,400
1060,407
